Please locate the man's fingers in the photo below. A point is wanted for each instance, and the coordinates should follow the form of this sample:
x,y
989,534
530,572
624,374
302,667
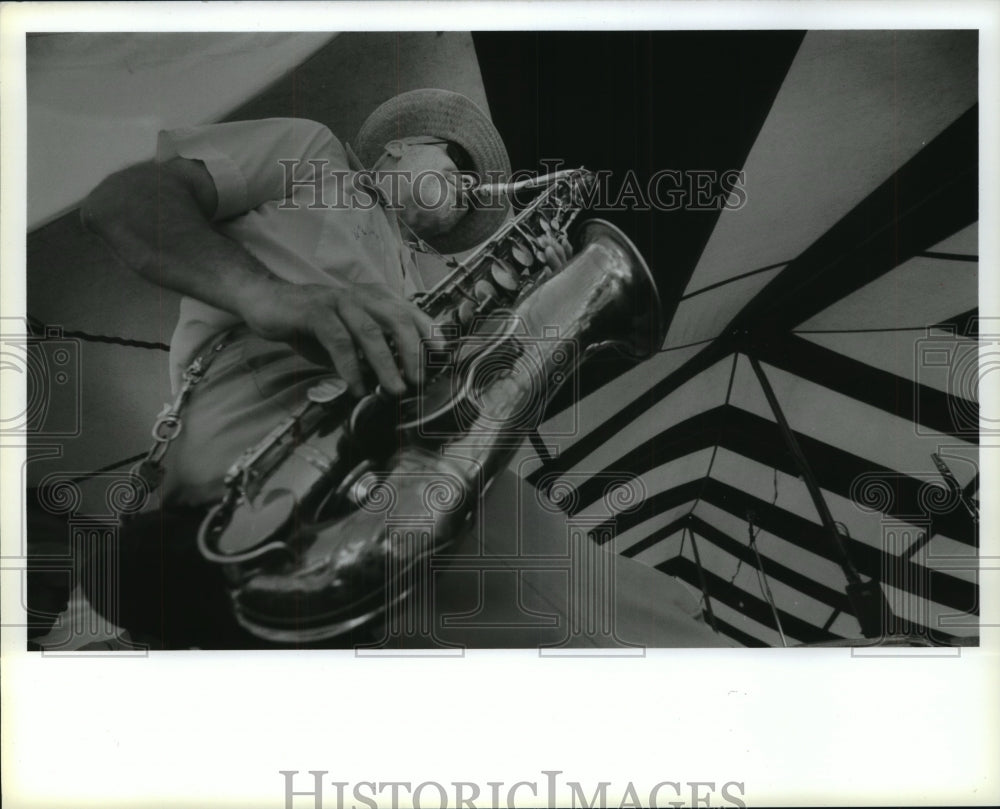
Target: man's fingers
x,y
552,258
400,319
408,348
337,342
424,323
555,250
562,247
412,328
368,336
429,331
567,248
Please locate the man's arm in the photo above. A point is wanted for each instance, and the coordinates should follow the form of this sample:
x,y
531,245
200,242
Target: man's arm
x,y
156,217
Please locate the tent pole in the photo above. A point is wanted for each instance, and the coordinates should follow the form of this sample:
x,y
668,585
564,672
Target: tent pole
x,y
803,466
764,586
701,578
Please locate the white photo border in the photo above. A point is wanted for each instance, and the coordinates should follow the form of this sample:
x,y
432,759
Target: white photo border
x,y
213,729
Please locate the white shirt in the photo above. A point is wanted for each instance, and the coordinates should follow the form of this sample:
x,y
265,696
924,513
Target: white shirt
x,y
337,236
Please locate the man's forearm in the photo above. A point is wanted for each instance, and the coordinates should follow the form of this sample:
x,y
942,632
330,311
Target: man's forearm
x,y
153,221
156,218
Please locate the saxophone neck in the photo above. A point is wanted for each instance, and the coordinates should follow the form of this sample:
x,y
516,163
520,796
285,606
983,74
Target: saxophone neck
x,y
492,189
561,189
560,199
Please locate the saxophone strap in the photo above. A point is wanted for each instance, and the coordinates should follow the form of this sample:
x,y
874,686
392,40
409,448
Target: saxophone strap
x,y
169,423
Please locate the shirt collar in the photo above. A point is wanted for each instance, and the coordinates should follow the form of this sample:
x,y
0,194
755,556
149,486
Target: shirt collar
x,y
407,256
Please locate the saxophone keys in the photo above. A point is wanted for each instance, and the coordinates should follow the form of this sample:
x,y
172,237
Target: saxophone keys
x,y
484,291
466,311
504,275
521,253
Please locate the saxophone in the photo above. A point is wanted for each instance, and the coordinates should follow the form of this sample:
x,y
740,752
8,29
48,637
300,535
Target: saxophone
x,y
345,495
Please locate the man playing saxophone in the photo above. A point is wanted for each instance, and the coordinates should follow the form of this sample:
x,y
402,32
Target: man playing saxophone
x,y
295,256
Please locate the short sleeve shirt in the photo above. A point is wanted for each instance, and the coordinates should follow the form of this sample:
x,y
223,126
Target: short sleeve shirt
x,y
287,193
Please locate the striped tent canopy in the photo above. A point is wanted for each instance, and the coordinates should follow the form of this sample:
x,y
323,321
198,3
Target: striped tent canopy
x,y
803,450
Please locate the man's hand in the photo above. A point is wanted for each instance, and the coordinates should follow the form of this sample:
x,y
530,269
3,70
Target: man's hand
x,y
339,324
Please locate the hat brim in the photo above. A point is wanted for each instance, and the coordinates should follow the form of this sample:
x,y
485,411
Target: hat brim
x,y
452,117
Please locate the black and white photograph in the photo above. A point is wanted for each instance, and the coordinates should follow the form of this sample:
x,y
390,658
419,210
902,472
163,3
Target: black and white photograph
x,y
619,347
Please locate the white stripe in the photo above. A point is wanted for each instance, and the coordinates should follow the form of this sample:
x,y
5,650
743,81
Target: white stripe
x,y
912,355
849,425
661,551
705,391
569,424
920,291
707,315
639,532
930,614
885,94
666,476
792,556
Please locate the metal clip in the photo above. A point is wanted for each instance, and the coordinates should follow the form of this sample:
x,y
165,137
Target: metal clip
x,y
168,424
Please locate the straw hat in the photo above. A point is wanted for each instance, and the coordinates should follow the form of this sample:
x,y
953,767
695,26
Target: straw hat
x,y
452,117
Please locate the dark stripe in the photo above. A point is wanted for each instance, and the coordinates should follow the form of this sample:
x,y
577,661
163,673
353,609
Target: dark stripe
x,y
839,471
631,411
739,277
931,197
942,588
660,534
727,629
949,256
706,596
859,331
600,370
972,486
686,345
732,378
715,449
893,394
541,116
775,569
831,619
759,439
965,324
753,606
691,435
759,610
110,467
708,475
650,508
539,446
